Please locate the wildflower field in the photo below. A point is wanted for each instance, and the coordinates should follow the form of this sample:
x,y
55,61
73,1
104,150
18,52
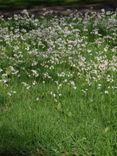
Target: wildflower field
x,y
58,84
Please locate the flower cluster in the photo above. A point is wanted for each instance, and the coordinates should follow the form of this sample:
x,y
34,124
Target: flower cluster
x,y
68,52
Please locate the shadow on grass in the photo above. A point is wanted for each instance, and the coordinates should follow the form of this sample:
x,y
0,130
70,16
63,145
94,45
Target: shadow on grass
x,y
2,100
12,143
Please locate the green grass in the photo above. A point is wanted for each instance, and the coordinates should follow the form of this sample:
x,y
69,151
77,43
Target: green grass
x,y
58,85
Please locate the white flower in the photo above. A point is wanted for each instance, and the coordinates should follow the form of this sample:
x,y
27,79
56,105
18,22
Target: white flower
x,y
25,12
37,99
106,92
9,94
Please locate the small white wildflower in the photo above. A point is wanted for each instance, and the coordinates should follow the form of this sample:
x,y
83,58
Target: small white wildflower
x,y
9,94
34,83
28,87
35,73
106,92
74,87
54,95
102,10
60,95
25,12
37,99
65,80
14,92
72,83
4,81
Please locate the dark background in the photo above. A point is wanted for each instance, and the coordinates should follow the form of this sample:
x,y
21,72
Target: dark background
x,y
19,3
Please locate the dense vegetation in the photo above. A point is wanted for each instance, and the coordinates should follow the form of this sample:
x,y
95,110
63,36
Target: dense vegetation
x,y
58,85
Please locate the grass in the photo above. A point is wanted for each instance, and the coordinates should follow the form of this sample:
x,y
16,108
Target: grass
x,y
58,85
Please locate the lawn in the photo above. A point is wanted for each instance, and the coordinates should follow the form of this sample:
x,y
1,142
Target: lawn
x,y
58,85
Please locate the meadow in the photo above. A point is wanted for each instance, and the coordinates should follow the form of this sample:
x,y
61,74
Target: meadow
x,y
58,84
